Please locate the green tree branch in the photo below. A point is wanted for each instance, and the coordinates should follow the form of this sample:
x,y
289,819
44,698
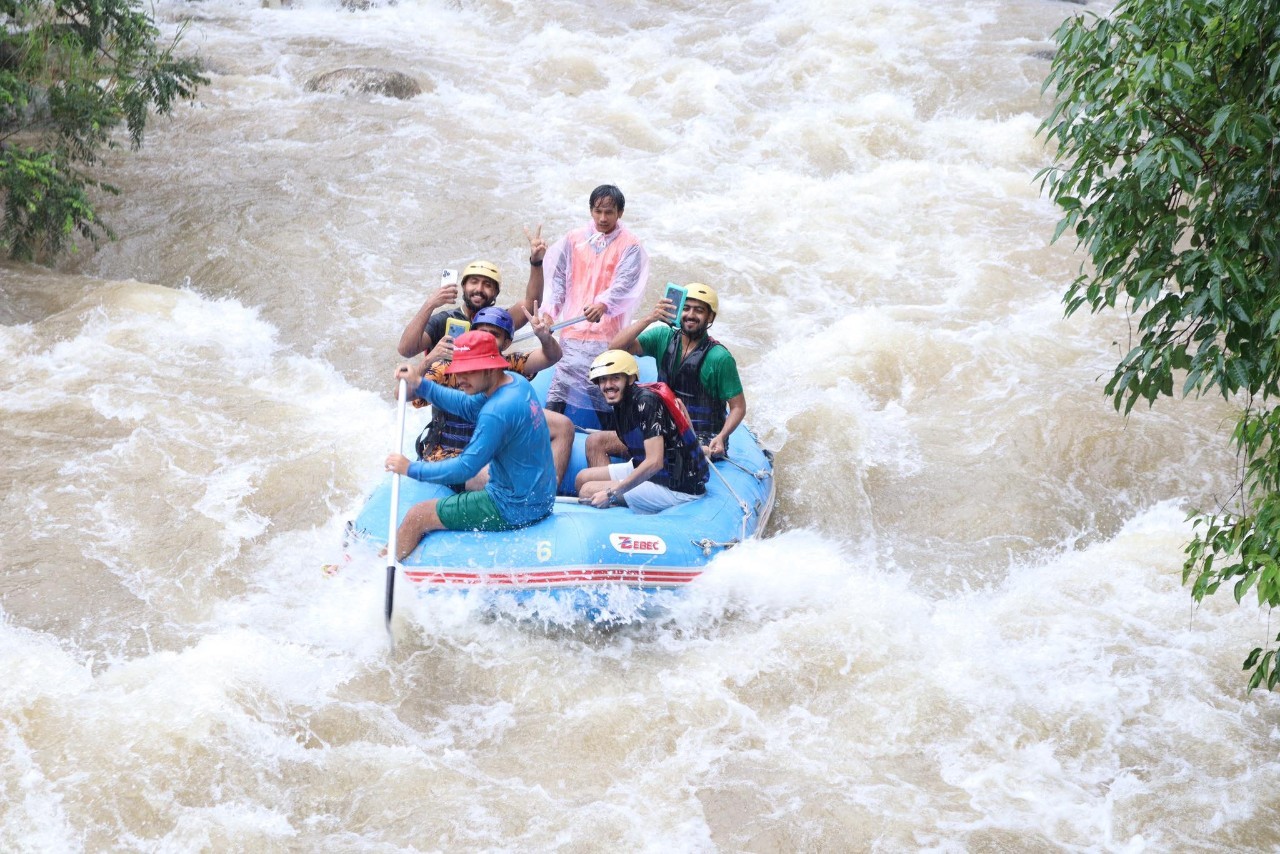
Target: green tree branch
x,y
71,72
1166,119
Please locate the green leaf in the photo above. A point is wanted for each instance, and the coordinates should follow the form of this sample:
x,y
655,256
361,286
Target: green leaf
x,y
88,67
1166,122
1252,660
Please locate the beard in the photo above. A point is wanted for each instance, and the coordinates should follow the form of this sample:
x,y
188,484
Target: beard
x,y
693,328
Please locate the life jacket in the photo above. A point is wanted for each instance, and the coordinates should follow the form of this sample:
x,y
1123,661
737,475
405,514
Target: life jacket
x,y
590,274
446,430
684,466
706,412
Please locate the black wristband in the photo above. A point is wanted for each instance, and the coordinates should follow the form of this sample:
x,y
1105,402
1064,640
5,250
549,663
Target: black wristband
x,y
533,263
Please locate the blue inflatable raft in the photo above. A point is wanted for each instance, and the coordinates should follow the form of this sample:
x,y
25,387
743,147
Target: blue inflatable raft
x,y
581,548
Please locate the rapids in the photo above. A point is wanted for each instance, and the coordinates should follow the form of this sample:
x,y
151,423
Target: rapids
x,y
965,632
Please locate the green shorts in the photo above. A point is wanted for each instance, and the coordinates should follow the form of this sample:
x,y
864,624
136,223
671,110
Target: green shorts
x,y
471,511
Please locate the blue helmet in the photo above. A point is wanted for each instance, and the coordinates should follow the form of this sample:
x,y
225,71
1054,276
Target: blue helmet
x,y
495,316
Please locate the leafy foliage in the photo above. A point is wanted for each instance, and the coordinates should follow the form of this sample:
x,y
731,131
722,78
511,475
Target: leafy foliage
x,y
1167,122
71,71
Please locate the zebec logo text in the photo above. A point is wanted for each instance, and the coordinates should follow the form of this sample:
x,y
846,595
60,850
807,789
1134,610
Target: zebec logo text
x,y
645,544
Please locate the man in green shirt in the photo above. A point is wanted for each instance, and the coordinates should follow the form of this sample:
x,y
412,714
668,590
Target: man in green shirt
x,y
700,370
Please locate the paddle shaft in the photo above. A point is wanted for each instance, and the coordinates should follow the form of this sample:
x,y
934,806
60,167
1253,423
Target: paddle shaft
x,y
526,334
393,517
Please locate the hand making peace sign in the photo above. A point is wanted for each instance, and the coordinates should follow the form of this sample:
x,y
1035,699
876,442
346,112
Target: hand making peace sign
x,y
537,246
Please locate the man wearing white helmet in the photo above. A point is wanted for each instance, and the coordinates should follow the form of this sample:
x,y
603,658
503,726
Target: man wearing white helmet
x,y
700,370
666,466
481,282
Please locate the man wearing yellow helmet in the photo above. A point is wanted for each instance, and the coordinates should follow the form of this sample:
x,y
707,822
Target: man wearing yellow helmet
x,y
700,370
666,467
481,282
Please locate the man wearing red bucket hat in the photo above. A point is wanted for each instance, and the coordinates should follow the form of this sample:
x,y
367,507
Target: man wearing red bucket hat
x,y
510,437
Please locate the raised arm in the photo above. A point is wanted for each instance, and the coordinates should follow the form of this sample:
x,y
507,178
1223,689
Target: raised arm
x,y
528,307
414,339
550,351
627,337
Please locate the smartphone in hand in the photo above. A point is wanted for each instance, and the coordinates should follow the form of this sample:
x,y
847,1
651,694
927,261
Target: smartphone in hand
x,y
676,294
453,327
449,277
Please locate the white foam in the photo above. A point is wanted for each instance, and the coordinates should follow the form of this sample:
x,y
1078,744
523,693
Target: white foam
x,y
968,632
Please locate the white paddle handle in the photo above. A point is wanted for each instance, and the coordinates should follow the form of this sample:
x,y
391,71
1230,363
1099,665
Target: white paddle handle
x,y
397,448
392,559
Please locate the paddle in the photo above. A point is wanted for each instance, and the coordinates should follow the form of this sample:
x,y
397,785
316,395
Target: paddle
x,y
526,334
392,524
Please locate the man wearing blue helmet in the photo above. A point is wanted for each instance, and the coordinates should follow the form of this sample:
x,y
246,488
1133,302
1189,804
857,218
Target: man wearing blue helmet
x,y
447,434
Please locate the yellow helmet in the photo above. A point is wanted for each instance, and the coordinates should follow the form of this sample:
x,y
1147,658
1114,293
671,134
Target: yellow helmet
x,y
703,293
612,362
488,269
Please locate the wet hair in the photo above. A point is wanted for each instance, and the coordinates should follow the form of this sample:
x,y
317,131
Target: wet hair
x,y
607,191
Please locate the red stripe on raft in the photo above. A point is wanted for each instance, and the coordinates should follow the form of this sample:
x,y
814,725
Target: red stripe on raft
x,y
605,575
507,580
562,577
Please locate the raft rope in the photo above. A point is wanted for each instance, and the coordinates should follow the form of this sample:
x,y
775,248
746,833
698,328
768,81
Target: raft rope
x,y
758,474
742,505
708,544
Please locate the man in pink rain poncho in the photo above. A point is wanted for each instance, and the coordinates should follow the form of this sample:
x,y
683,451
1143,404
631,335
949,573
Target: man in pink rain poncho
x,y
600,271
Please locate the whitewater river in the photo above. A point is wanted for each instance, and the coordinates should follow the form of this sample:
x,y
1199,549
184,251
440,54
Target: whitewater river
x,y
965,631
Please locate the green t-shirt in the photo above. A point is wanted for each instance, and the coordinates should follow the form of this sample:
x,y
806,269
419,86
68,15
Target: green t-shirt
x,y
719,372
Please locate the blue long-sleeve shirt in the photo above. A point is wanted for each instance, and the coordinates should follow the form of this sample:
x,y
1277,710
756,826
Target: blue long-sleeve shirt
x,y
510,436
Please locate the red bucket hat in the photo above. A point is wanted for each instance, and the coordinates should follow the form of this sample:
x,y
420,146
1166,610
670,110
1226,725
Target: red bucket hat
x,y
475,351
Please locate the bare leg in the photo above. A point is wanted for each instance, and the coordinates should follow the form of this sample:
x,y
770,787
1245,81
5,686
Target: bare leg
x,y
478,482
601,446
596,477
419,521
561,429
595,487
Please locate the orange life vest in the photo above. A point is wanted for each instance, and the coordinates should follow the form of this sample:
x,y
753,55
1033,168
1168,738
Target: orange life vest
x,y
590,274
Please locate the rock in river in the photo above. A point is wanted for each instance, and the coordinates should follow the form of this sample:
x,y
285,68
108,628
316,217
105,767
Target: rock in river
x,y
358,80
